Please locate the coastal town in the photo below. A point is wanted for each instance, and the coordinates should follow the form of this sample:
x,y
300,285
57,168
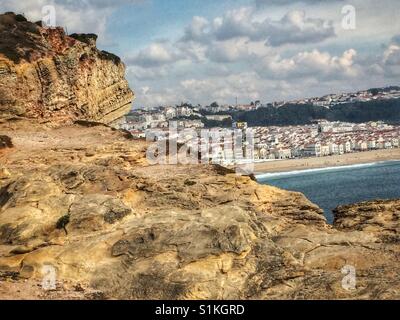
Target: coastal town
x,y
318,139
189,116
323,139
290,142
330,100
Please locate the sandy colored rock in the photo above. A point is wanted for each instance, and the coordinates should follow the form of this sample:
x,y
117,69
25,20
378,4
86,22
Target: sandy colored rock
x,y
56,79
379,216
136,231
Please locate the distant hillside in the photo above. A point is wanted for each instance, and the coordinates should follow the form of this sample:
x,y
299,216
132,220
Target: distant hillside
x,y
299,114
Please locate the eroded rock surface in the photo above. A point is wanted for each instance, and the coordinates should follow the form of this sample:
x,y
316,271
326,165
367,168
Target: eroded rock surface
x,y
55,79
381,217
79,198
175,232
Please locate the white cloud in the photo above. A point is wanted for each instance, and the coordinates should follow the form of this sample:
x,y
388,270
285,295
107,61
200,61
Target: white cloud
x,y
263,3
145,90
223,89
228,51
295,27
391,56
390,63
147,74
156,54
193,50
236,23
271,77
197,30
160,97
316,64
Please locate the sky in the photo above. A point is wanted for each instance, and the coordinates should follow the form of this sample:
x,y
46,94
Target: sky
x,y
201,51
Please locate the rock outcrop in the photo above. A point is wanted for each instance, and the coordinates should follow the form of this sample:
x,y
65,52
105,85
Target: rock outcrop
x,y
84,201
381,217
54,78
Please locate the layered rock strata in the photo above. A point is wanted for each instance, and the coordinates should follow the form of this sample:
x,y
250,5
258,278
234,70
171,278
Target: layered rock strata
x,y
53,78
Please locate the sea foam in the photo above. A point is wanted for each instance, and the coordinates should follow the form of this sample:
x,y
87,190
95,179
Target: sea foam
x,y
264,176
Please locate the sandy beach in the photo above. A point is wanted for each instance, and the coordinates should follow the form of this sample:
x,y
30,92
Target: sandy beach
x,y
329,161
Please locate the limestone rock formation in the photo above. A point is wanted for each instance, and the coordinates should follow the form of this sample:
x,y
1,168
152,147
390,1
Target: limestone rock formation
x,y
54,78
134,231
379,216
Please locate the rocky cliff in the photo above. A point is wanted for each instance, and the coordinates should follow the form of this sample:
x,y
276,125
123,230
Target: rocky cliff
x,y
54,78
84,201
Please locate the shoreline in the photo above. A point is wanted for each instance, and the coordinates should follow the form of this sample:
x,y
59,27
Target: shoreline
x,y
347,159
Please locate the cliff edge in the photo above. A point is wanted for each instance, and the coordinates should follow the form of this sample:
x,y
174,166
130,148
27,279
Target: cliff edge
x,y
48,76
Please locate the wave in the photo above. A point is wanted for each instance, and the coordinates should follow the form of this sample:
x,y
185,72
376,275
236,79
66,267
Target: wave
x,y
264,176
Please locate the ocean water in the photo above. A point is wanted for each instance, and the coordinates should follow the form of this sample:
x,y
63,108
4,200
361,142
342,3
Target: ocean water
x,y
331,187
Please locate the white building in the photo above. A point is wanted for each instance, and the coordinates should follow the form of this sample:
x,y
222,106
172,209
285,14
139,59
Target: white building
x,y
371,144
325,150
282,153
333,148
312,150
347,147
361,145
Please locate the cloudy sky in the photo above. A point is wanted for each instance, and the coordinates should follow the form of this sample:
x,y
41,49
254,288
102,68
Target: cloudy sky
x,y
201,51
